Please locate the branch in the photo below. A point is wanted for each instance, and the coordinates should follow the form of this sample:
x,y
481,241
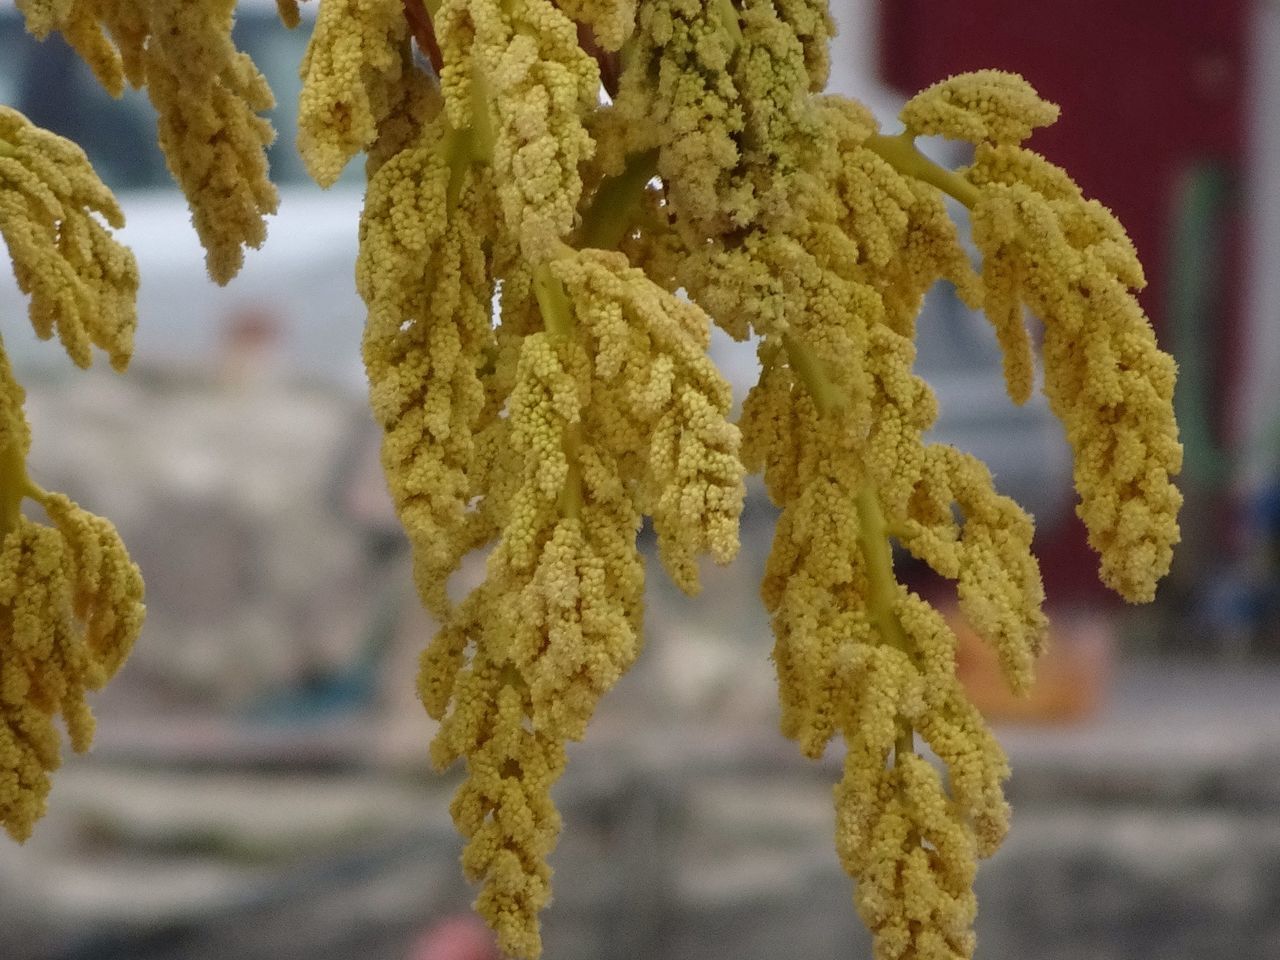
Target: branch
x,y
423,32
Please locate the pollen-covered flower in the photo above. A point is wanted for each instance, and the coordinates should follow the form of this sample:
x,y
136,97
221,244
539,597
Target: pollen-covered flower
x,y
107,34
520,61
208,97
611,21
672,407
423,273
70,610
991,106
1069,260
349,76
54,218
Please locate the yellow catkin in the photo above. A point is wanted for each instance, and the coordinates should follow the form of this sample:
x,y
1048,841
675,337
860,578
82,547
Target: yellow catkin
x,y
550,630
208,96
813,26
694,115
1070,261
611,21
96,29
349,74
832,268
423,275
670,407
70,610
539,83
81,281
991,106
716,184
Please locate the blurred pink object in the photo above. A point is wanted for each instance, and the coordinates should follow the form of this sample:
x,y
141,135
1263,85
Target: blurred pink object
x,y
462,937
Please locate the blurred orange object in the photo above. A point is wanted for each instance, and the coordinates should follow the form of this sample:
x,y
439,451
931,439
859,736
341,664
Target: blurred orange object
x,y
1071,677
462,937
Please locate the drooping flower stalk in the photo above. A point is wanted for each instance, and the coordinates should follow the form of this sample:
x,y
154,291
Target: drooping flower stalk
x,y
715,184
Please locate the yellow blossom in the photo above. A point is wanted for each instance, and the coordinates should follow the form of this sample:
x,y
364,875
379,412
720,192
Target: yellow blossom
x,y
988,552
70,610
350,70
990,106
81,281
424,276
694,114
672,405
1070,261
813,26
526,53
551,629
611,21
716,185
107,34
208,96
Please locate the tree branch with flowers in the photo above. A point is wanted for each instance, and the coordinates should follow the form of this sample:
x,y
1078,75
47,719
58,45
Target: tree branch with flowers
x,y
713,183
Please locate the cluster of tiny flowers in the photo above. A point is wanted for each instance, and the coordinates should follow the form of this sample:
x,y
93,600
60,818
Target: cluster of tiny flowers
x,y
207,96
70,598
715,184
81,281
70,609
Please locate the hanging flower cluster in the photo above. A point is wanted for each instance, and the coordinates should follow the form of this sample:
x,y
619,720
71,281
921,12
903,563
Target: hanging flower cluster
x,y
70,598
714,184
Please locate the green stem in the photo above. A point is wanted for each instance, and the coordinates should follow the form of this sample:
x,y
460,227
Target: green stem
x,y
553,302
13,477
473,144
483,137
873,529
15,486
557,319
877,555
616,203
571,494
901,152
729,19
808,367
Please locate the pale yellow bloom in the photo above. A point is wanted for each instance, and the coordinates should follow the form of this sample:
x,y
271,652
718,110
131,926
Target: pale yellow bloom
x,y
81,281
551,629
423,273
813,26
107,34
988,552
522,59
1070,261
349,74
70,610
611,21
693,114
671,406
208,97
990,106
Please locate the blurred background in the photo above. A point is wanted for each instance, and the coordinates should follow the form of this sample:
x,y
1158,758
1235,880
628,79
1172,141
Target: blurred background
x,y
259,787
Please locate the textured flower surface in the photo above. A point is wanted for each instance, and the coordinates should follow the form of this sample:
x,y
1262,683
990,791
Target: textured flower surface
x,y
542,265
70,597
